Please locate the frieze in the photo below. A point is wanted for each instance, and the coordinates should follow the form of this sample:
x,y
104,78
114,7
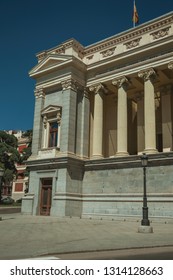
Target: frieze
x,y
129,36
108,52
160,33
132,44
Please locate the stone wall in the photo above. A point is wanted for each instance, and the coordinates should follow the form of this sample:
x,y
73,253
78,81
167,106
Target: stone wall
x,y
119,190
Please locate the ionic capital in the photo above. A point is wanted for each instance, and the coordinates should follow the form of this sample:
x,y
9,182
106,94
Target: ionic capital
x,y
86,93
98,88
121,82
39,93
148,74
170,65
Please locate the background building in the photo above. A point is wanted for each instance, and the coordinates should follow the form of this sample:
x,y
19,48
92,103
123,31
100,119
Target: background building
x,y
18,185
97,109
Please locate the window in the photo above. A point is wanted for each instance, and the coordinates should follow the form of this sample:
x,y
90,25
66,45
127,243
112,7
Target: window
x,y
18,187
51,126
53,134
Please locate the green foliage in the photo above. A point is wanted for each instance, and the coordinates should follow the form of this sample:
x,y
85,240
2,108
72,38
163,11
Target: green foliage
x,y
8,139
8,155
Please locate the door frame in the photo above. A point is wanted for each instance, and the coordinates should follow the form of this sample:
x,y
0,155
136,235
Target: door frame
x,y
45,192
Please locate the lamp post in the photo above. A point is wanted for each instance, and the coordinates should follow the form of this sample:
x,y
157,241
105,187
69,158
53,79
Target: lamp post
x,y
1,175
145,223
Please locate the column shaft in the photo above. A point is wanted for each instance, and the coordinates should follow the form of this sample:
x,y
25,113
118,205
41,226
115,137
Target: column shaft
x,y
98,122
149,111
121,116
167,130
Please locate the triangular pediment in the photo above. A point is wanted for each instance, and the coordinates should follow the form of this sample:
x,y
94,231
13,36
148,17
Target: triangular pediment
x,y
50,110
49,62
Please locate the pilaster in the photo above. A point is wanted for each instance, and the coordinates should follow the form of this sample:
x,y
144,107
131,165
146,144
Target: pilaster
x,y
83,112
69,110
37,126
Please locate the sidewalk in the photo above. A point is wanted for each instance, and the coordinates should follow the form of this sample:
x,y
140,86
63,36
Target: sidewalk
x,y
31,236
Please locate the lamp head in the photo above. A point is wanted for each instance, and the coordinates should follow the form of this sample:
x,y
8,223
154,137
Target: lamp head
x,y
144,160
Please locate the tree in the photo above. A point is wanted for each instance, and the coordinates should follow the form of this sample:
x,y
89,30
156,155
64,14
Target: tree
x,y
9,155
26,152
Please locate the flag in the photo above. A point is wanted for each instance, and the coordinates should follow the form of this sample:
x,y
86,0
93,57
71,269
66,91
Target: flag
x,y
135,15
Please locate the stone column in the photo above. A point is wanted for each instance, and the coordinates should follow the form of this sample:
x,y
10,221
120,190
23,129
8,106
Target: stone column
x,y
140,123
37,127
122,84
149,110
167,125
98,121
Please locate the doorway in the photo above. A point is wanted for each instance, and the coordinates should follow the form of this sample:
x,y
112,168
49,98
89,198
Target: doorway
x,y
46,196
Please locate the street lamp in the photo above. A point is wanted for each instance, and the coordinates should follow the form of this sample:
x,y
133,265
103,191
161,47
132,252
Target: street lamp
x,y
1,175
145,223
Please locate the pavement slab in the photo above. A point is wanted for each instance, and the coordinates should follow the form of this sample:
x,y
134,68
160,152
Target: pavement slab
x,y
33,236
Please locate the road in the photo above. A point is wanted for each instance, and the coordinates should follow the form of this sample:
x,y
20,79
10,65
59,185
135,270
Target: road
x,y
156,253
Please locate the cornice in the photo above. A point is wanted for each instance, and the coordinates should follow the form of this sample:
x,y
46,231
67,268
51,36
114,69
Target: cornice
x,y
60,49
131,34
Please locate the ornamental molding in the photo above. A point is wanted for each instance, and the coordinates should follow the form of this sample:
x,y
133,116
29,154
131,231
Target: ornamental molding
x,y
86,93
70,84
148,74
108,52
98,88
160,33
170,65
61,49
45,122
110,43
133,43
121,82
51,112
148,28
39,93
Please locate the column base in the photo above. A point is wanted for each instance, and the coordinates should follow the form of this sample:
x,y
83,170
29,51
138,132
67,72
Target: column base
x,y
150,151
122,154
97,157
145,229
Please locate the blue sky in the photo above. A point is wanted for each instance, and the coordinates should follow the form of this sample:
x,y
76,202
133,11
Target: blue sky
x,y
30,26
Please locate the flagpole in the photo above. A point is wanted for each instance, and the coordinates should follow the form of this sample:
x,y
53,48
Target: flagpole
x,y
133,13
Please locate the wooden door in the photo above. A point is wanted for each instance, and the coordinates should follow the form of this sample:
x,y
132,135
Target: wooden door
x,y
46,197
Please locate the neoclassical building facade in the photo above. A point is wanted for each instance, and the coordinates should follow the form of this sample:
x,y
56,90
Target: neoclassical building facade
x,y
97,109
